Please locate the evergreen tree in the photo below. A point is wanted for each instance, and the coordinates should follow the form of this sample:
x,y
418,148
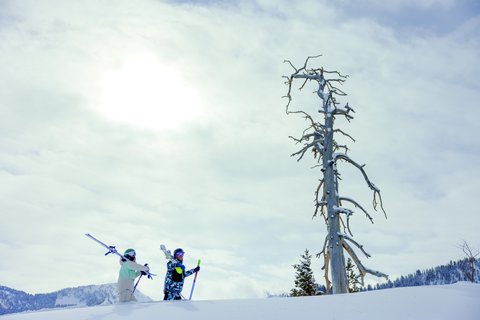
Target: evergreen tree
x,y
304,281
351,277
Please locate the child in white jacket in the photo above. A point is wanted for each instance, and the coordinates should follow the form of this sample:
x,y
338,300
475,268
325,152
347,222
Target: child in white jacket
x,y
128,272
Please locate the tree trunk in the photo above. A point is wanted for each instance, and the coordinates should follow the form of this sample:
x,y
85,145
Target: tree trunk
x,y
335,248
472,269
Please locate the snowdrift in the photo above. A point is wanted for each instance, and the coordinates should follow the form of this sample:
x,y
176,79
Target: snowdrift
x,y
457,301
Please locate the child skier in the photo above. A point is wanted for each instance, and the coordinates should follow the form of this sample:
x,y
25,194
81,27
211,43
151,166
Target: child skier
x,y
175,276
128,272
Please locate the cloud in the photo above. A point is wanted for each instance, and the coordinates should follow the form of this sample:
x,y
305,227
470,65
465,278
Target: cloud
x,y
222,186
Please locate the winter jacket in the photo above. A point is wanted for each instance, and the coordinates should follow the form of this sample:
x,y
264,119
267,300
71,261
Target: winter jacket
x,y
128,272
174,280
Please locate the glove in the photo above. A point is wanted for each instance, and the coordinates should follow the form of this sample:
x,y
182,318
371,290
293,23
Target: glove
x,y
196,269
144,273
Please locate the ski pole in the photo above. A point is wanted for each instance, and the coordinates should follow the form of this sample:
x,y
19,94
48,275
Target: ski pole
x,y
141,275
194,281
136,284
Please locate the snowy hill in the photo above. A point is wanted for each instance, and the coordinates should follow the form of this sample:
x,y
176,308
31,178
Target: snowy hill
x,y
17,301
452,272
442,302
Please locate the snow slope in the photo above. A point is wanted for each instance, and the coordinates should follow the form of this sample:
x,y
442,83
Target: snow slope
x,y
457,301
12,300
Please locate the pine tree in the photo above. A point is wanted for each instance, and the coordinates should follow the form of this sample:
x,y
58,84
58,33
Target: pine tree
x,y
304,281
351,277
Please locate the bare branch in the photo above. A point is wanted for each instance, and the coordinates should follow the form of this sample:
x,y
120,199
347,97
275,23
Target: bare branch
x,y
335,90
303,138
345,134
376,203
360,266
346,237
348,226
323,250
348,213
357,206
304,82
376,191
302,151
289,83
319,204
326,261
291,64
318,127
348,108
289,95
337,73
343,112
328,284
468,251
311,57
357,261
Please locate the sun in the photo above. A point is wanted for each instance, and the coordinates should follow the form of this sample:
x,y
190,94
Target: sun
x,y
146,93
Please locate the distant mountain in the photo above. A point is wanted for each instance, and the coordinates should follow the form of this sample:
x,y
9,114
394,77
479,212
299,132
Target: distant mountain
x,y
12,300
450,273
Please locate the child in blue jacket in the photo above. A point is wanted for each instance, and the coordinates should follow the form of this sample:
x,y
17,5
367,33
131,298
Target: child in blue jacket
x,y
175,276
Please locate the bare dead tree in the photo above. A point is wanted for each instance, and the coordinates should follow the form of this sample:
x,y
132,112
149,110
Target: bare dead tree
x,y
471,255
318,137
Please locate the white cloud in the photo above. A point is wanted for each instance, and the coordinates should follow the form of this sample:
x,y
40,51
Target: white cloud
x,y
222,186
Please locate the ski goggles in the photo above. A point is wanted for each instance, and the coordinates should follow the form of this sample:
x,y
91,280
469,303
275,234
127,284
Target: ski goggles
x,y
130,253
180,254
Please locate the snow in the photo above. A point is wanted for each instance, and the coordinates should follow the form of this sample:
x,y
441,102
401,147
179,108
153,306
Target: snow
x,y
456,301
68,301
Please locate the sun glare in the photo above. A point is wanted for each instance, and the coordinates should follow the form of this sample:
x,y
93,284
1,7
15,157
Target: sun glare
x,y
145,93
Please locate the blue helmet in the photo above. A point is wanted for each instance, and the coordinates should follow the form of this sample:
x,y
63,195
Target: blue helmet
x,y
178,252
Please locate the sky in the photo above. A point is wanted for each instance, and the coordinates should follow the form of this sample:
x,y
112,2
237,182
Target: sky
x,y
459,300
163,122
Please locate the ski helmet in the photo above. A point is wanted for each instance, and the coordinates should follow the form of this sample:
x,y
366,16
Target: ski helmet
x,y
178,251
130,253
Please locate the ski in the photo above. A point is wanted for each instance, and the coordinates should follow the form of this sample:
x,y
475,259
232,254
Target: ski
x,y
112,249
168,254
